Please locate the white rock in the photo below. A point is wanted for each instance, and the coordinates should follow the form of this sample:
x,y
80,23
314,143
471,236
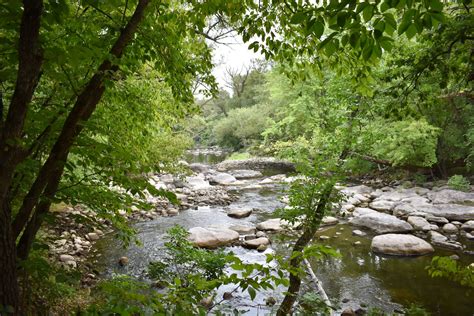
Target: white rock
x,y
381,223
212,237
358,233
449,211
419,223
382,205
66,258
246,174
222,179
197,183
450,228
92,236
359,211
257,242
329,221
469,226
450,196
244,229
239,213
400,245
274,224
436,219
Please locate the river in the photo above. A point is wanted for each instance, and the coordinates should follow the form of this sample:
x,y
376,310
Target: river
x,y
357,278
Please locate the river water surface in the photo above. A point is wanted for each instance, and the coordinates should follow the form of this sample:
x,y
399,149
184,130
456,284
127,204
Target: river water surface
x,y
357,278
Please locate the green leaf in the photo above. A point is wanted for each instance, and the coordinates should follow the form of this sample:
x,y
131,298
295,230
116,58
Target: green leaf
x,y
411,31
368,12
252,293
436,5
406,21
317,29
298,17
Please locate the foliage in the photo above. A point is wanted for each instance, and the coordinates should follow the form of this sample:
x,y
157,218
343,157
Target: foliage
x,y
242,127
416,310
183,259
449,268
404,142
186,275
311,304
124,295
46,285
458,182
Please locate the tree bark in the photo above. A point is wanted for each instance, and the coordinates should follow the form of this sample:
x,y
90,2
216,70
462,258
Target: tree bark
x,y
29,67
308,233
9,290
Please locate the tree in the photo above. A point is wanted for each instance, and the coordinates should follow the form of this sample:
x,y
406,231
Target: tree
x,y
56,85
60,57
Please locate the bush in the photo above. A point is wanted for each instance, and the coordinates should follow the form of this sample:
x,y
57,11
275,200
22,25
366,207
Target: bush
x,y
458,182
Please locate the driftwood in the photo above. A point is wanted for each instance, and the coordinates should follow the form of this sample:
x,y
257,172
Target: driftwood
x,y
319,286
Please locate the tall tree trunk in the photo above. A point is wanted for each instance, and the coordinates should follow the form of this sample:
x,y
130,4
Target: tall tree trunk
x,y
83,108
29,67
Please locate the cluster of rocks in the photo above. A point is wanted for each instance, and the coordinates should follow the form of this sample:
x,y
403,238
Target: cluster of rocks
x,y
70,240
245,235
441,215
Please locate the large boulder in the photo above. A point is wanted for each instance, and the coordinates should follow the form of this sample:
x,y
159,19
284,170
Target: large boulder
x,y
257,242
222,178
452,212
275,224
197,183
212,237
382,205
381,223
447,196
239,213
244,229
199,167
419,223
400,245
469,226
246,174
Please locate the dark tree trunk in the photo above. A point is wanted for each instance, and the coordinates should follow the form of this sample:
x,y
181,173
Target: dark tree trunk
x,y
82,110
50,173
29,67
308,234
9,290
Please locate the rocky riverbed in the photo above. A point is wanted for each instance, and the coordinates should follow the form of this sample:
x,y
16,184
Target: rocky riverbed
x,y
231,205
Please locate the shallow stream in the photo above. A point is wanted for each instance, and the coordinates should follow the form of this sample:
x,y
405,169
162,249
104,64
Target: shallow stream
x,y
358,278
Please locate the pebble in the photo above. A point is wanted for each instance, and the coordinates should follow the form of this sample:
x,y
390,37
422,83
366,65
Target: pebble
x,y
123,261
358,232
450,228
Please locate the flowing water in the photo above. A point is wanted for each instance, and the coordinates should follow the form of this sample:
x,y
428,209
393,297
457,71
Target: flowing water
x,y
357,278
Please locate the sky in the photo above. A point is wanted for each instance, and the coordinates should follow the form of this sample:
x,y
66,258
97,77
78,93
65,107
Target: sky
x,y
235,56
